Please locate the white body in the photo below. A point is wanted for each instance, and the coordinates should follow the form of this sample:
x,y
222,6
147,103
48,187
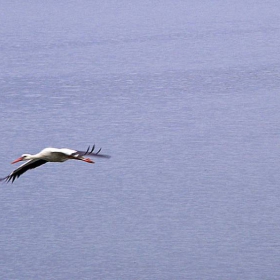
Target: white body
x,y
54,154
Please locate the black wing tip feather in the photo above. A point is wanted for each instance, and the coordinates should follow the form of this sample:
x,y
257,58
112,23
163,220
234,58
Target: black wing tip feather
x,y
4,179
90,152
8,178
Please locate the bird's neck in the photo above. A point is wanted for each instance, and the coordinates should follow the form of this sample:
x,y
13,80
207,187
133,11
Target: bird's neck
x,y
29,156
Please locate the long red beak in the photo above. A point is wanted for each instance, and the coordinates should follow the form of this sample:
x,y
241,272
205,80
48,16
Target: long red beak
x,y
17,160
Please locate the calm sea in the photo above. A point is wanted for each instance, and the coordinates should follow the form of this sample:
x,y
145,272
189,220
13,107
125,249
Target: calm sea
x,y
184,95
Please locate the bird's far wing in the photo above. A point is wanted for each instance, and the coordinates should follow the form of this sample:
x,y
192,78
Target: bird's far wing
x,y
66,151
90,152
33,163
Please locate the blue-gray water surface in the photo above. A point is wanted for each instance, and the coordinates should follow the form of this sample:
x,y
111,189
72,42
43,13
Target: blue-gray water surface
x,y
184,95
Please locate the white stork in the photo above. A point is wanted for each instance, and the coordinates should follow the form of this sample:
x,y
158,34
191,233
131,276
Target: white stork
x,y
50,155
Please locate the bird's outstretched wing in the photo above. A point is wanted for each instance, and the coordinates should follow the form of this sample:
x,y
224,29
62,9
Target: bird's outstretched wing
x,y
33,163
90,152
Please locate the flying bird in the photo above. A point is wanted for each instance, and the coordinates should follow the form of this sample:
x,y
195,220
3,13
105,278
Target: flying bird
x,y
51,155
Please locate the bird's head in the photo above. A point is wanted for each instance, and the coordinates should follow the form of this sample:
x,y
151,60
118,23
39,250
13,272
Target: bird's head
x,y
22,158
